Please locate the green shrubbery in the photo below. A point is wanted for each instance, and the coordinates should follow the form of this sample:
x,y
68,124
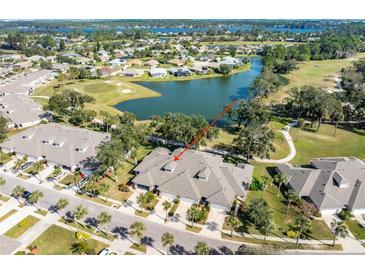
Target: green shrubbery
x,y
345,214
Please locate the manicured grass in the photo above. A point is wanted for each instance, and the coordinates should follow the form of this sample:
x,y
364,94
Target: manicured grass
x,y
95,199
320,230
311,144
194,229
7,215
227,134
4,198
173,209
57,240
71,179
5,157
280,245
143,214
315,73
356,229
278,207
23,176
42,212
32,170
124,174
87,228
107,93
20,228
139,247
151,205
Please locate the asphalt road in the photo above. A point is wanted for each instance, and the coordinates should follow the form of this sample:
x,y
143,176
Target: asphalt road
x,y
184,241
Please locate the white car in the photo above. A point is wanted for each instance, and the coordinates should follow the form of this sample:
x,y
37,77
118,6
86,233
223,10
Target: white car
x,y
105,251
286,128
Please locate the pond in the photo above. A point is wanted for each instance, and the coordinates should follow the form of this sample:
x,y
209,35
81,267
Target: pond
x,y
206,96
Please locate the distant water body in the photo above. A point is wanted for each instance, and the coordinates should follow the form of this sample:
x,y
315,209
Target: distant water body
x,y
206,96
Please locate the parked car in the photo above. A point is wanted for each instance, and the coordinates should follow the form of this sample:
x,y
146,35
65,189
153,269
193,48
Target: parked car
x,y
105,251
26,165
26,194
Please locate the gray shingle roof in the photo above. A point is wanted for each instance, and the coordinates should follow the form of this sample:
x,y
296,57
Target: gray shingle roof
x,y
196,175
20,109
332,183
64,145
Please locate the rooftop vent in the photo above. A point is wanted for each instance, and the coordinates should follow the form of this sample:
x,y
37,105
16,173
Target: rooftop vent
x,y
204,174
340,181
169,167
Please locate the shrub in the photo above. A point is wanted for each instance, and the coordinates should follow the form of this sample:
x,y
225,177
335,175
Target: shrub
x,y
81,235
20,253
176,201
24,223
292,234
124,188
345,214
256,185
149,196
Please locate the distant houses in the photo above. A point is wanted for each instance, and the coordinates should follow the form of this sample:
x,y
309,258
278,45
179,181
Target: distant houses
x,y
132,72
330,183
179,72
158,72
197,177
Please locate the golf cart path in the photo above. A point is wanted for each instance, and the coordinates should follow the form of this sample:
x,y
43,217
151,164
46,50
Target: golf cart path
x,y
290,142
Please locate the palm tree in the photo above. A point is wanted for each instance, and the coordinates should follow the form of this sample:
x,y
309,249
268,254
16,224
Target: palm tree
x,y
168,240
80,247
291,197
62,204
280,179
104,218
103,189
338,229
78,213
141,199
17,192
202,248
301,224
35,197
234,223
137,229
193,214
2,183
267,228
166,206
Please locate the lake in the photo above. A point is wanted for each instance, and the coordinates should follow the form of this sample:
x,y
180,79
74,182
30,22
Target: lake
x,y
206,96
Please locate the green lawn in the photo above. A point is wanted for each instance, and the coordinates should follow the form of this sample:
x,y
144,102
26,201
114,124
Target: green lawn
x,y
280,245
282,221
356,229
5,157
7,215
4,198
125,174
20,228
107,93
32,170
311,144
315,73
57,240
71,179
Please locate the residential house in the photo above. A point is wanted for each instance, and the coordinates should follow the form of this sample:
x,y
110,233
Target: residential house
x,y
70,147
152,63
21,111
132,72
179,72
330,183
109,71
158,72
176,62
197,177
